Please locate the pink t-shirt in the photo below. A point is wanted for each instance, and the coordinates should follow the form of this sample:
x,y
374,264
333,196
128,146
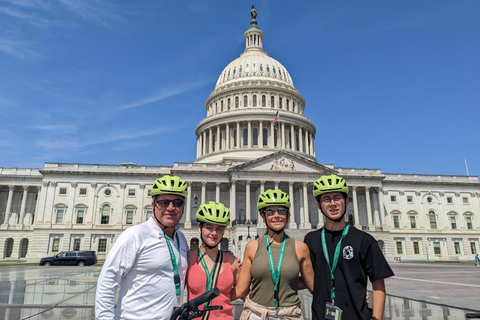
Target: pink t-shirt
x,y
196,281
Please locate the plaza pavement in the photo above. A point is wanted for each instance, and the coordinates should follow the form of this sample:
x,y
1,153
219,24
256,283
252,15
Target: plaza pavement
x,y
418,291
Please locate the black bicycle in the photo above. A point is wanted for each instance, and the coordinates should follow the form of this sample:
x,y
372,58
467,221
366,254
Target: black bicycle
x,y
189,310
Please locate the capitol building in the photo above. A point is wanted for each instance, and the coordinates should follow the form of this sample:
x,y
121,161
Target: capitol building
x,y
242,150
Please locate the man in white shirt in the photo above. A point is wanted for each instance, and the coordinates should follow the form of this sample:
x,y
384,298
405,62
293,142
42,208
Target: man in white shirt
x,y
148,261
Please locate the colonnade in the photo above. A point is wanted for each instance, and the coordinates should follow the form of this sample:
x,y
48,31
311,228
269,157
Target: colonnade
x,y
255,134
10,206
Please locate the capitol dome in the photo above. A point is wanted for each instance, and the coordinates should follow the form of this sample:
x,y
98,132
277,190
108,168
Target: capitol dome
x,y
241,122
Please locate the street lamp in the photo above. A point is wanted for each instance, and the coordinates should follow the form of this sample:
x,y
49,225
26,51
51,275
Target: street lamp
x,y
248,230
195,198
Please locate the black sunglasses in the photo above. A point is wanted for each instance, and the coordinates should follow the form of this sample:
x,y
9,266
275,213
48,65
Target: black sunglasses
x,y
177,203
271,212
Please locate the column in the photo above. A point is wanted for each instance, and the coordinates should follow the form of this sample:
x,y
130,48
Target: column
x,y
276,184
217,191
355,208
69,217
233,203
22,207
260,140
37,206
204,142
271,140
188,218
292,224
260,223
307,150
249,134
312,145
300,138
91,211
227,137
210,139
306,224
247,196
237,137
218,143
369,208
9,205
380,207
204,184
283,135
302,209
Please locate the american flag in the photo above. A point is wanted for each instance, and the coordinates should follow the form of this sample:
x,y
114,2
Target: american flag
x,y
275,119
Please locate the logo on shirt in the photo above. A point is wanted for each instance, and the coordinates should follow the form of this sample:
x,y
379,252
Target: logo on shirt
x,y
347,252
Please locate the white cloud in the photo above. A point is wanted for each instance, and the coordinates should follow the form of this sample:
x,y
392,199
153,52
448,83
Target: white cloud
x,y
92,11
18,49
58,127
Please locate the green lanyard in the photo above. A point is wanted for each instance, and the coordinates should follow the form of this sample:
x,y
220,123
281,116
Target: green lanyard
x,y
209,274
335,258
175,264
275,274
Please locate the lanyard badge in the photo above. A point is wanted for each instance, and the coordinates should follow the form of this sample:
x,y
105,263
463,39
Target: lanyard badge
x,y
175,263
275,273
332,311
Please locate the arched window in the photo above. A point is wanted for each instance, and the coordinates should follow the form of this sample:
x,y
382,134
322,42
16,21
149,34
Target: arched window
x,y
280,102
245,137
272,101
432,219
8,248
80,215
236,102
255,137
228,103
265,137
23,248
288,105
245,101
264,99
60,211
254,100
105,214
221,105
261,68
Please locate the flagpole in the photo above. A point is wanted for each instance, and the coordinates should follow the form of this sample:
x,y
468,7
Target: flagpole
x,y
466,166
279,135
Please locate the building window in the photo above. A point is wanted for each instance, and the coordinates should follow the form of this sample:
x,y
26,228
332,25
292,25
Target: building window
x,y
413,222
261,68
453,222
245,137
432,219
272,101
102,245
410,199
105,214
254,100
265,137
107,192
396,222
80,213
275,137
429,199
456,244
255,137
288,105
149,214
83,191
76,244
129,217
55,245
280,103
236,102
465,200
393,198
59,218
240,69
399,247
228,104
149,193
469,223
245,101
214,138
62,191
131,192
268,68
264,101
436,248
221,105
473,248
234,137
416,247
449,200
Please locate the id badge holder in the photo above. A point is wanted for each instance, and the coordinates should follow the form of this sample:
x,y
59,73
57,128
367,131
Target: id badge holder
x,y
332,312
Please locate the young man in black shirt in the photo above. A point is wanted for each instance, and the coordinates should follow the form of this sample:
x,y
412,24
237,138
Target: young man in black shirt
x,y
351,256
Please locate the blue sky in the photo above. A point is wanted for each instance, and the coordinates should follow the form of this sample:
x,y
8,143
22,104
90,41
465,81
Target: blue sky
x,y
393,85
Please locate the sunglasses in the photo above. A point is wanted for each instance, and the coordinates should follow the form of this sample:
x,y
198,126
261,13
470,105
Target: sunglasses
x,y
271,212
177,203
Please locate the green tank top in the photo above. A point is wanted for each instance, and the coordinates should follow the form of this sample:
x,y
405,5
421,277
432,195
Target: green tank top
x,y
262,284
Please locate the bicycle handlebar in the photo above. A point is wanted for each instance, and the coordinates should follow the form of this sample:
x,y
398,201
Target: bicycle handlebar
x,y
204,297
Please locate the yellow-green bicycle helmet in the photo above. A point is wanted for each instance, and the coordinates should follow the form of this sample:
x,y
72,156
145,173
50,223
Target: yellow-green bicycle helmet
x,y
331,183
273,198
214,212
169,185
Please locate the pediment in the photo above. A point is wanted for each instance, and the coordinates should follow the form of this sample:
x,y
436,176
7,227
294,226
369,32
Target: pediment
x,y
283,162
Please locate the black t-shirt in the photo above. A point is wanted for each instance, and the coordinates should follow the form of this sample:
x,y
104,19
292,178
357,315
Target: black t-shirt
x,y
360,257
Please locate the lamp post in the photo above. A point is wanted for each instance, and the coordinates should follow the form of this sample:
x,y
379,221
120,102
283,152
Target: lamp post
x,y
195,198
248,230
